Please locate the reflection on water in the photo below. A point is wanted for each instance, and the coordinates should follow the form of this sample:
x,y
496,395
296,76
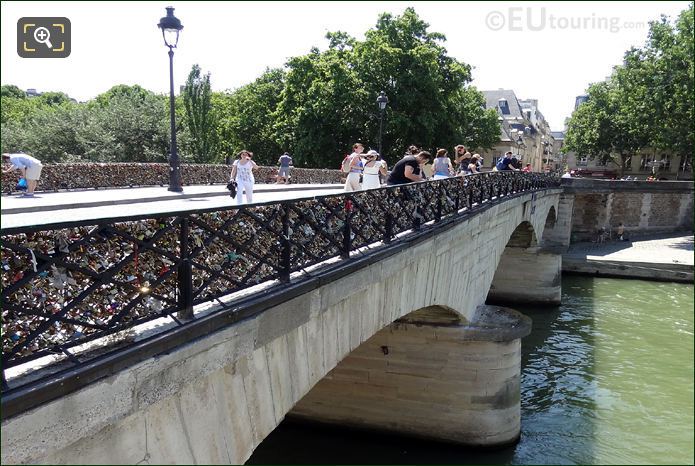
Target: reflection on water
x,y
607,378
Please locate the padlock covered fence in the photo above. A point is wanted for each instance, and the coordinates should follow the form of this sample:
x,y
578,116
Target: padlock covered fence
x,y
76,282
55,177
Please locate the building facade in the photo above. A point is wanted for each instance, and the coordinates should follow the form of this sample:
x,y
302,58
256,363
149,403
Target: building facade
x,y
523,130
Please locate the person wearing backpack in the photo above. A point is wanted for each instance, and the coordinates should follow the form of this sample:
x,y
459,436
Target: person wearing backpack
x,y
505,163
353,166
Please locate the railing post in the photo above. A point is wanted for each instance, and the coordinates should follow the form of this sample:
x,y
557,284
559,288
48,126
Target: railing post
x,y
416,218
484,183
285,265
388,228
185,274
347,229
438,216
458,197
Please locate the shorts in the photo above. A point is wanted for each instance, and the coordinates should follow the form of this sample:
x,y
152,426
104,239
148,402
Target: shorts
x,y
284,172
34,172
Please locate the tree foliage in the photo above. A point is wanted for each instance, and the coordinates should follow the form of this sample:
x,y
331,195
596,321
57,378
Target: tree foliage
x,y
124,124
247,117
329,100
647,102
200,118
128,126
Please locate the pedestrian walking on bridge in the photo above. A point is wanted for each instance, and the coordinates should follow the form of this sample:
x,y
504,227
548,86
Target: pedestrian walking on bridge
x,y
285,162
242,173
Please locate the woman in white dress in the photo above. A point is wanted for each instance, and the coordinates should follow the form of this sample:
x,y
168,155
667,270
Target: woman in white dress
x,y
372,168
242,173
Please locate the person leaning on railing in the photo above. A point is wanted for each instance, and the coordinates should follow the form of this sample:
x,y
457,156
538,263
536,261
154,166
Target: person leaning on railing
x,y
29,166
505,163
409,169
474,164
442,165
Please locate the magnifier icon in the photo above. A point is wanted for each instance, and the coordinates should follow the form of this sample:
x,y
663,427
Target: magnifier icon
x,y
43,36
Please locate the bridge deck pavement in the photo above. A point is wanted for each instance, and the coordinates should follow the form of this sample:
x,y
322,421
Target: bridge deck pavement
x,y
47,208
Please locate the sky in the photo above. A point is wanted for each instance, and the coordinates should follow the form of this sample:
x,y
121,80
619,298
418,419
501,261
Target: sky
x,y
550,51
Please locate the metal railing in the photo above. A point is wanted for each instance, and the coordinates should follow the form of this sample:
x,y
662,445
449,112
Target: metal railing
x,y
69,284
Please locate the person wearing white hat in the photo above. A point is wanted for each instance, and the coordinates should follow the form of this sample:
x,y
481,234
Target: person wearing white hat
x,y
372,168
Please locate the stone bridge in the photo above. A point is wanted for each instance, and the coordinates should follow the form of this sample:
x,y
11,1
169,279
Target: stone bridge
x,y
402,340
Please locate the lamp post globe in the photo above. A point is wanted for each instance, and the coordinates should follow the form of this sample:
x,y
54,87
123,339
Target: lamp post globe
x,y
171,27
381,101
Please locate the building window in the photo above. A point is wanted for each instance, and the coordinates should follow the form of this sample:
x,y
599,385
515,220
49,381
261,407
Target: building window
x,y
600,162
644,164
665,162
583,161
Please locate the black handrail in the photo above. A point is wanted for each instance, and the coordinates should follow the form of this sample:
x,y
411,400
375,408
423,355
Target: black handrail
x,y
65,285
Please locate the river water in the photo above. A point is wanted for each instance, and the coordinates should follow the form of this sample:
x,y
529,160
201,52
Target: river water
x,y
607,378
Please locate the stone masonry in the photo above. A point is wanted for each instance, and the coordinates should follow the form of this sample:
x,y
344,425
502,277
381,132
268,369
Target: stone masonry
x,y
215,399
642,207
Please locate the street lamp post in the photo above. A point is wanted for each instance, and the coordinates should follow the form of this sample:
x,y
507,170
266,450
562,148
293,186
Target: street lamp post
x,y
171,26
382,100
519,142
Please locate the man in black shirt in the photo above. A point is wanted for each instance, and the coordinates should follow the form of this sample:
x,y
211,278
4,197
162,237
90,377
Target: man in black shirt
x,y
409,169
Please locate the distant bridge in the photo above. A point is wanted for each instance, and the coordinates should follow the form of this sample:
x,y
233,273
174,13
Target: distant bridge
x,y
189,337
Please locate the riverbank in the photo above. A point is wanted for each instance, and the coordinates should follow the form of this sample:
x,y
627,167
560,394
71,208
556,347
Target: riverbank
x,y
666,257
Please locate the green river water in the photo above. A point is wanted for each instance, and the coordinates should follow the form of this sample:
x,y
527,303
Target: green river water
x,y
607,378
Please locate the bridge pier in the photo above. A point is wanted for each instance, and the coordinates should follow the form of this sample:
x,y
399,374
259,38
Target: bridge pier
x,y
430,375
527,275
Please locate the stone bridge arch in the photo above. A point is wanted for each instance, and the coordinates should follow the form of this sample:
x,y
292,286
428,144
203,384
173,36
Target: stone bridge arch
x,y
215,399
529,270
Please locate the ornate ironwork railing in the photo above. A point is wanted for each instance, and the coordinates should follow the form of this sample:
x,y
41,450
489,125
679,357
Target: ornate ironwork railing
x,y
67,285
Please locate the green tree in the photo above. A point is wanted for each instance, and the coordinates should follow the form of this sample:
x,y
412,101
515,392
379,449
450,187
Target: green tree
x,y
54,98
129,127
247,117
51,133
329,98
10,90
200,117
134,93
45,125
647,102
669,57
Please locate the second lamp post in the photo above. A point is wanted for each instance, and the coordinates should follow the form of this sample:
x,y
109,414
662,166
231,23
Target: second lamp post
x,y
382,100
171,26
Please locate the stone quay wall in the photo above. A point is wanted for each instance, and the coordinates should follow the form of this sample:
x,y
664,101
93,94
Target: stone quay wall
x,y
642,207
115,175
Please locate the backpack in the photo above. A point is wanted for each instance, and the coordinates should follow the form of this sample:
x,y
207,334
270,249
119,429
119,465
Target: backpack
x,y
345,166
